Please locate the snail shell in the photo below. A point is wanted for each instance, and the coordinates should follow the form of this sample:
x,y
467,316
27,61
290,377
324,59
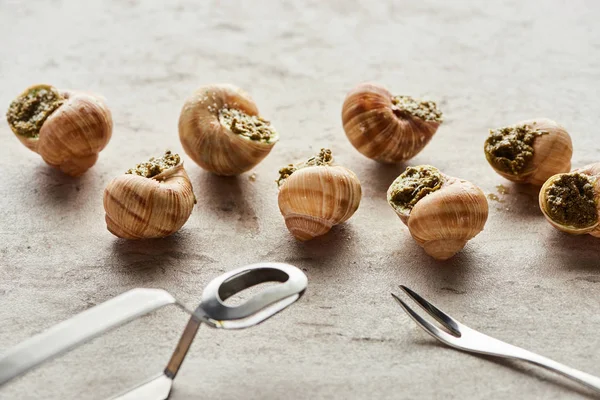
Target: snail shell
x,y
142,208
213,145
549,153
443,218
72,132
571,201
315,198
388,128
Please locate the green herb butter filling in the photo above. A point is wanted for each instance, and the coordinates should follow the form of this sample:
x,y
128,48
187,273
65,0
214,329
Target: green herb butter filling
x,y
252,127
570,201
27,113
155,166
510,149
323,158
426,110
412,185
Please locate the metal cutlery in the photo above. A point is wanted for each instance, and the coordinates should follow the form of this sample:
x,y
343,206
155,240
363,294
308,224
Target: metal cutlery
x,y
457,335
135,303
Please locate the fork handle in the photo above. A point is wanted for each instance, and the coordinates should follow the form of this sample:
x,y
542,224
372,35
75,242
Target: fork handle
x,y
584,378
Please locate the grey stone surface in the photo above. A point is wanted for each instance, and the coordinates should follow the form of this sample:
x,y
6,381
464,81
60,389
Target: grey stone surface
x,y
488,64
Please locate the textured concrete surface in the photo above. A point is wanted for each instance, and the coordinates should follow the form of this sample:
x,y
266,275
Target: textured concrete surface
x,y
486,64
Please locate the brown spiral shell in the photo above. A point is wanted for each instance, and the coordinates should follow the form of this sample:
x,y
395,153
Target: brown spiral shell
x,y
444,221
592,171
73,135
378,130
142,208
552,154
314,199
211,145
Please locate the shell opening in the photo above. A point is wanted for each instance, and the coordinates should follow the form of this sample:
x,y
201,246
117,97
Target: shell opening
x,y
156,165
570,201
510,149
28,112
323,158
426,110
412,185
252,127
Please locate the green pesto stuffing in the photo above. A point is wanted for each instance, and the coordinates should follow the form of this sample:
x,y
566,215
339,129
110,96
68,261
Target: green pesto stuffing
x,y
570,201
323,158
502,189
510,149
426,110
494,197
412,185
252,127
28,112
155,166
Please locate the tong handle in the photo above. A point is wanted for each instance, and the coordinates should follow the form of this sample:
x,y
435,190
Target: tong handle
x,y
79,329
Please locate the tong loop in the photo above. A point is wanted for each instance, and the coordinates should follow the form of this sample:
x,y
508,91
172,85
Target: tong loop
x,y
293,282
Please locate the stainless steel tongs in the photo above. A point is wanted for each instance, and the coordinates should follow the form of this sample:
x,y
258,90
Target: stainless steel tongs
x,y
135,303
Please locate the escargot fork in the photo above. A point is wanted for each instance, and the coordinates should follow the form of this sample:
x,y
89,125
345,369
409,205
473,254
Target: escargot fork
x,y
460,336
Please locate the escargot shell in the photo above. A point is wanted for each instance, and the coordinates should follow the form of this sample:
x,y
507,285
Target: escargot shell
x,y
571,201
315,198
388,128
530,151
214,139
446,214
140,207
69,133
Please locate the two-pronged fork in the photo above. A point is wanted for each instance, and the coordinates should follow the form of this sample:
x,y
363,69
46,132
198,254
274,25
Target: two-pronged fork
x,y
461,337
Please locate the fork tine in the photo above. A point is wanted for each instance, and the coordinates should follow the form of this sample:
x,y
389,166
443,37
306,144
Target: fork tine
x,y
425,325
447,321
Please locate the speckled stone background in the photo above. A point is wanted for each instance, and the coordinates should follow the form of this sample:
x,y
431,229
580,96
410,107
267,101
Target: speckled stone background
x,y
487,64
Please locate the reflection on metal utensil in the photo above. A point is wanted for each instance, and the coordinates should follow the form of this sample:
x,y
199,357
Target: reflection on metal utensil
x,y
136,303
